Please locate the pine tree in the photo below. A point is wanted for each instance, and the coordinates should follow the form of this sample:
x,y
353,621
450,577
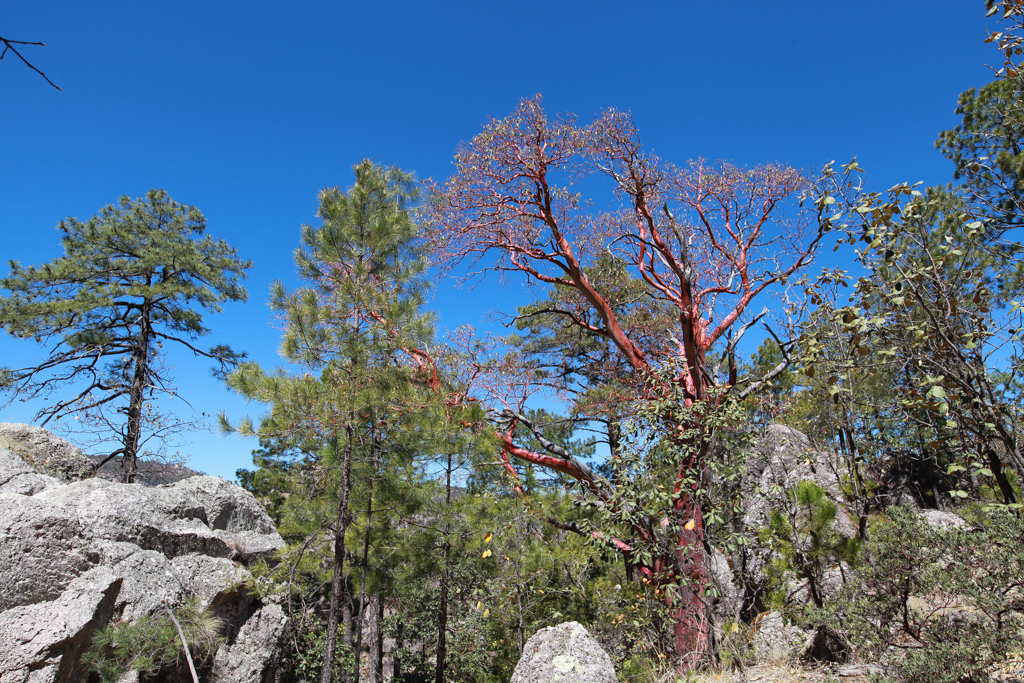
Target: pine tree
x,y
358,329
133,279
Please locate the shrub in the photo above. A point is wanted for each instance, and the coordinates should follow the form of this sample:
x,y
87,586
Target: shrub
x,y
152,642
951,600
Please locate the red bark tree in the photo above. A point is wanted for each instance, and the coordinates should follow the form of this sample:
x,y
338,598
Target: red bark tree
x,y
705,240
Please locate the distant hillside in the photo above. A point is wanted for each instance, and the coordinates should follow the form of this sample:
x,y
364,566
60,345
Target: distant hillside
x,y
151,472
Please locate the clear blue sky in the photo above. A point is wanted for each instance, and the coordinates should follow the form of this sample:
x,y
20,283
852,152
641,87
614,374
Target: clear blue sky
x,y
247,109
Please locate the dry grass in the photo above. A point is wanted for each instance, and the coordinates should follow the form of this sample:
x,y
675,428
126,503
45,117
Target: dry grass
x,y
764,673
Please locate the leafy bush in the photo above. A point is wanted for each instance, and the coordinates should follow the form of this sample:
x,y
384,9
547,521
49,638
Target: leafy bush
x,y
152,643
951,600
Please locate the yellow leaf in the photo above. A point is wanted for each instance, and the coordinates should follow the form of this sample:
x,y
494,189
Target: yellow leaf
x,y
487,612
487,553
487,538
689,525
479,604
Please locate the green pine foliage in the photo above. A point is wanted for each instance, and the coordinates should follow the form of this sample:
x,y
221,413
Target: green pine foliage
x,y
351,432
806,542
152,643
133,280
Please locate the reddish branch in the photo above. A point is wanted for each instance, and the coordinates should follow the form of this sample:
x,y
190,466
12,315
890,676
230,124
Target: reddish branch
x,y
705,240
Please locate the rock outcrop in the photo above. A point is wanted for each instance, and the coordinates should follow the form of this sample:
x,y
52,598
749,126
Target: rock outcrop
x,y
45,453
75,553
566,653
780,460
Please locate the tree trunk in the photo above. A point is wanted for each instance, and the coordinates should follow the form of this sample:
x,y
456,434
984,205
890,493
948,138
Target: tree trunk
x,y
360,616
136,395
337,598
690,612
442,608
376,638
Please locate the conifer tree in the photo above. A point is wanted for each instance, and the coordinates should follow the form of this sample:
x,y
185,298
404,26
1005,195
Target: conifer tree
x,y
357,328
133,279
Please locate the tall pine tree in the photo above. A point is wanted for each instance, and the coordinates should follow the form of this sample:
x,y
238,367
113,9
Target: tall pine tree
x,y
359,332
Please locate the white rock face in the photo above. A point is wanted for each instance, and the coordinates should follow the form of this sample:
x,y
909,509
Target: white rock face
x,y
566,653
44,642
75,553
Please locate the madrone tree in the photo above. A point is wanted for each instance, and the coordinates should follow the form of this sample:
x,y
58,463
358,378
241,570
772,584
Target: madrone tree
x,y
704,240
133,279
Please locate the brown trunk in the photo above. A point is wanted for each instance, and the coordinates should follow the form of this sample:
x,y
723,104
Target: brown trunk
x,y
337,581
376,638
442,608
689,611
136,394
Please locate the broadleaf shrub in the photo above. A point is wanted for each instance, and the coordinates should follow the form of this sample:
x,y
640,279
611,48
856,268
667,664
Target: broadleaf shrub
x,y
949,603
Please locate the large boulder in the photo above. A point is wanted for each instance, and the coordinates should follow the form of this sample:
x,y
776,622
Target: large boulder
x,y
779,461
61,537
566,653
45,641
773,639
46,453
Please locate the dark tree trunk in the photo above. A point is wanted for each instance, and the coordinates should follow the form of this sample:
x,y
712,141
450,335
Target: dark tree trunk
x,y
136,395
337,582
442,608
361,613
376,638
397,657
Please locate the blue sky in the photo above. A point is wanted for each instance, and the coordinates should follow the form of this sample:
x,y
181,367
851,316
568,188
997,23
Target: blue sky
x,y
247,109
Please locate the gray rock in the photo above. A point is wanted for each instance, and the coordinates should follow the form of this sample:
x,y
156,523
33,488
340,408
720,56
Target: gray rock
x,y
255,656
45,452
172,520
43,548
782,458
566,653
725,606
59,541
44,642
858,672
943,520
208,577
774,640
17,477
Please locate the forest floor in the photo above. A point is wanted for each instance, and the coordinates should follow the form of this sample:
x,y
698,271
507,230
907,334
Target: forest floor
x,y
852,673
